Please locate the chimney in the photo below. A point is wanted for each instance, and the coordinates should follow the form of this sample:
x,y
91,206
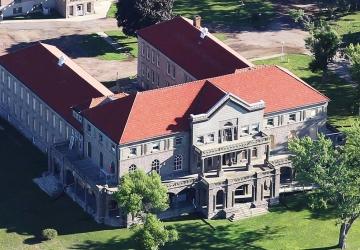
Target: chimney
x,y
61,61
197,21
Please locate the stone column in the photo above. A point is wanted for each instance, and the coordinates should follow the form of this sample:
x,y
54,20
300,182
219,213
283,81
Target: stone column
x,y
220,171
202,167
249,164
210,207
259,187
277,183
267,148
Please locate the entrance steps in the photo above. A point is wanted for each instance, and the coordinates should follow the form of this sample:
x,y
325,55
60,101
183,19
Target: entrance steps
x,y
243,212
50,185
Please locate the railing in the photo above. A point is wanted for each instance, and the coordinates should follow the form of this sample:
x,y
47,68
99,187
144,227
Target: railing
x,y
225,147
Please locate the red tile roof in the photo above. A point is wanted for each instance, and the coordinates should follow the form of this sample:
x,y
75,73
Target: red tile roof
x,y
180,41
60,87
167,110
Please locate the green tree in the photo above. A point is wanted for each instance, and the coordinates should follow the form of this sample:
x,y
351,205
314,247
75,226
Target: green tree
x,y
153,234
133,15
323,44
335,172
353,52
142,193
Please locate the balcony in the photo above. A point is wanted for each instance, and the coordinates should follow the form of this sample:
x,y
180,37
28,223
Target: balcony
x,y
214,149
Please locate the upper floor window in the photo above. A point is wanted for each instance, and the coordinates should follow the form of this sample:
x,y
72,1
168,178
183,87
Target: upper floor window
x,y
312,113
173,73
155,166
255,128
156,146
112,168
200,139
113,148
89,149
22,93
100,138
157,60
28,98
178,162
88,127
245,130
168,68
152,56
34,104
292,117
270,122
211,138
147,52
142,49
133,151
254,153
132,168
178,140
54,121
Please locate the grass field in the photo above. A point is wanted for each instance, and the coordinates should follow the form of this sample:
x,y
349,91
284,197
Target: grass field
x,y
96,46
112,11
25,211
349,27
225,14
341,93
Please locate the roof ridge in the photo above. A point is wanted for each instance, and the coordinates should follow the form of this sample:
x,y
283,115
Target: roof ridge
x,y
301,80
128,117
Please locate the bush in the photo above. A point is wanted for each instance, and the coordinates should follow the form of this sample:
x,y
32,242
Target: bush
x,y
49,234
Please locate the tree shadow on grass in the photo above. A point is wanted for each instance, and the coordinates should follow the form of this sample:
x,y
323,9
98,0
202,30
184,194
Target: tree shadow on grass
x,y
80,46
24,208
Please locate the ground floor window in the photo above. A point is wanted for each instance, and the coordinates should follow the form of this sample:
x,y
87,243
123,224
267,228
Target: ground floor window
x,y
71,10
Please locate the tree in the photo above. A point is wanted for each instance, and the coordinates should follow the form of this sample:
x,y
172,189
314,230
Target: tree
x,y
137,14
323,44
154,234
353,52
142,193
336,174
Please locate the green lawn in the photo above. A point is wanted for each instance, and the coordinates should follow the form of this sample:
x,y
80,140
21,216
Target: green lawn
x,y
25,211
227,14
112,11
96,46
128,43
349,27
340,92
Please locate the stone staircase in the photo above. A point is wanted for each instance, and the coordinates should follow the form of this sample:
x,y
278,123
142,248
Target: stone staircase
x,y
243,212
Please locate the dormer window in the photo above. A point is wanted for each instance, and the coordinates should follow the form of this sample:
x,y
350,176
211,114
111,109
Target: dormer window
x,y
270,122
245,130
156,146
178,140
133,151
292,117
255,128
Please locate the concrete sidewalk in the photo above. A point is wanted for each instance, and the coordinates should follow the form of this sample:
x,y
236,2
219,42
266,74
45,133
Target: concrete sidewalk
x,y
101,8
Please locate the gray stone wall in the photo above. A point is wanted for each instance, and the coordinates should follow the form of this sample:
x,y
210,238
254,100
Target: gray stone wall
x,y
33,117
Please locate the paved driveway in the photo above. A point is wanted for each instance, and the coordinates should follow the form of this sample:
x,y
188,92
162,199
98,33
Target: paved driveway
x,y
67,36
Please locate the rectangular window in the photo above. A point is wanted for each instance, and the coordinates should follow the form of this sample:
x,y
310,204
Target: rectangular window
x,y
34,104
270,122
142,49
15,87
148,74
28,98
211,138
168,68
157,61
60,126
54,121
41,109
173,71
200,139
133,151
100,138
152,76
88,7
312,113
89,128
152,56
22,93
245,130
9,82
254,153
292,117
178,140
156,146
255,128
148,53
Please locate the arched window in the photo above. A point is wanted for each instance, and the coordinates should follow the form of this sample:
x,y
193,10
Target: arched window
x,y
89,149
155,166
132,168
112,168
101,160
178,160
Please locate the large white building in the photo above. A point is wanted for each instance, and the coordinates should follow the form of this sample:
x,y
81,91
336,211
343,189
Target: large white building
x,y
219,143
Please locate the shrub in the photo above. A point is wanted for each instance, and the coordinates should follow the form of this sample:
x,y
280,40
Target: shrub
x,y
49,234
